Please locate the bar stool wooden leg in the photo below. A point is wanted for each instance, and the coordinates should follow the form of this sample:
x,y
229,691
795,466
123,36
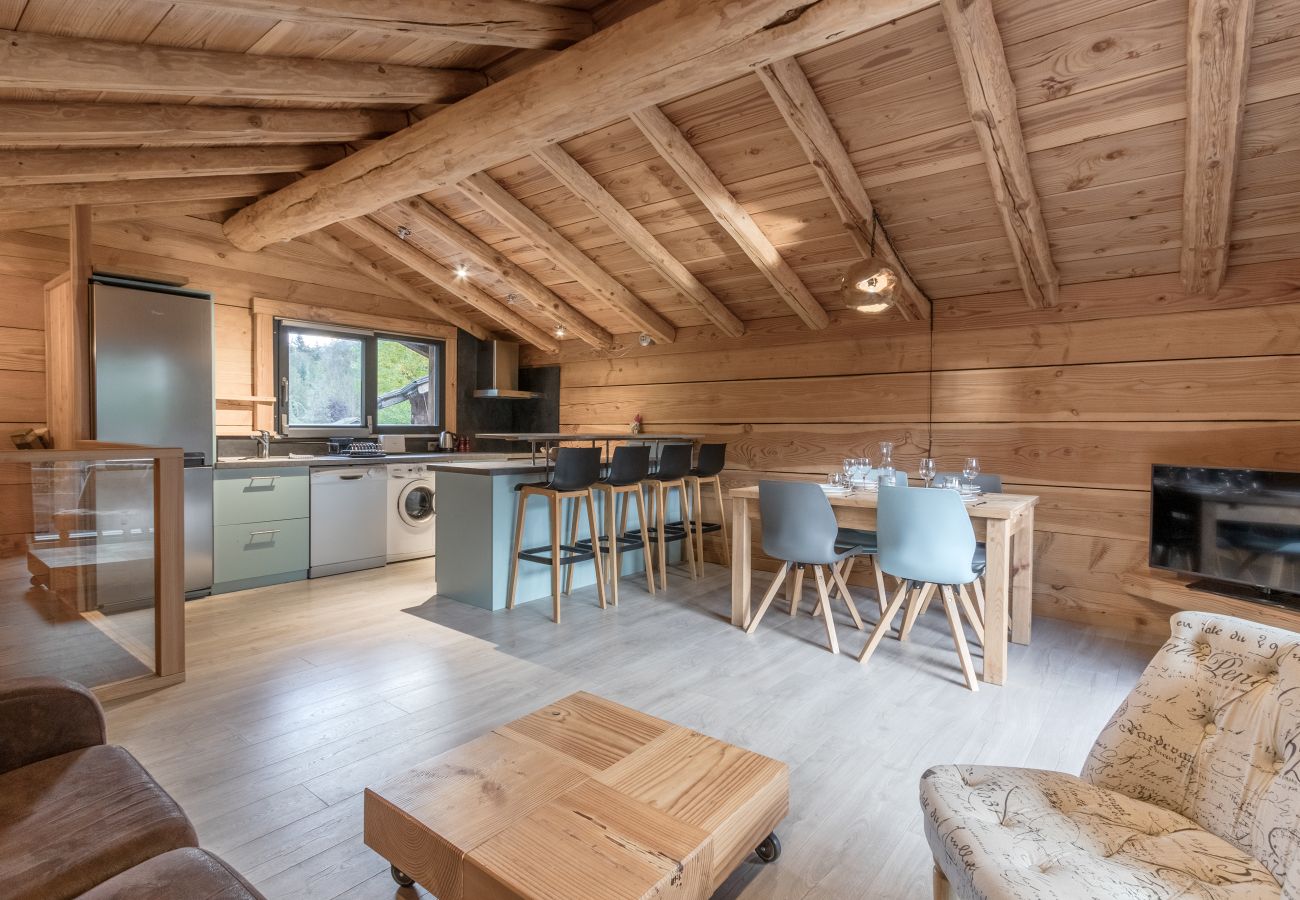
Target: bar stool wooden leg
x,y
826,606
697,522
979,597
661,501
690,538
611,505
722,520
595,544
519,545
645,538
575,508
556,525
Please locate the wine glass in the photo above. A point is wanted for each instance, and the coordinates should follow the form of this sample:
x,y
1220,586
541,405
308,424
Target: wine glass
x,y
927,470
970,470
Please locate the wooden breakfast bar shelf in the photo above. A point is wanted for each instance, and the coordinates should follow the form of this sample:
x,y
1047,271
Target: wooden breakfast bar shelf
x,y
1004,522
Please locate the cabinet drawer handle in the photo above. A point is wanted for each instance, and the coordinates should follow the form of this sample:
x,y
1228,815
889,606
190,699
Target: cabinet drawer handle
x,y
270,478
253,534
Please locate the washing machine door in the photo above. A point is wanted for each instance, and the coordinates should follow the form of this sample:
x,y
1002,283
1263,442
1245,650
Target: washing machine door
x,y
415,503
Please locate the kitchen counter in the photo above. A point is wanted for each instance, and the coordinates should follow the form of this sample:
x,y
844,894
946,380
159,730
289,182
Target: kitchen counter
x,y
226,462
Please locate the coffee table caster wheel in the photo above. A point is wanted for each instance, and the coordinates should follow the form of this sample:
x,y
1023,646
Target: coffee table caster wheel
x,y
406,880
770,850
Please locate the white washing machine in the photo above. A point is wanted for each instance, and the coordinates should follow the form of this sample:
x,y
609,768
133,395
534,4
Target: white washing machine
x,y
411,512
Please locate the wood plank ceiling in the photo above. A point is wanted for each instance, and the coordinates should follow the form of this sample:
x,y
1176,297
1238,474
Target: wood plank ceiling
x,y
1081,110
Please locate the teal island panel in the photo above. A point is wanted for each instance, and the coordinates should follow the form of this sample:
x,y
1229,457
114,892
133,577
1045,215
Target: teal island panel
x,y
476,521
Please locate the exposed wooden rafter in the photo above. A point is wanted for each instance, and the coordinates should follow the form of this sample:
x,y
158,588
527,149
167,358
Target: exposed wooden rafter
x,y
1218,61
991,97
414,258
42,196
803,112
672,145
574,177
600,80
532,291
62,166
133,124
504,207
28,220
496,23
336,248
52,63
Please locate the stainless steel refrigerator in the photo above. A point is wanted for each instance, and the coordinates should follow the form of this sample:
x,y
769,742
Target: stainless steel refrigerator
x,y
153,384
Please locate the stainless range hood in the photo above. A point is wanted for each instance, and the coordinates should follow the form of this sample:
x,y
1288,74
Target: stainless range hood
x,y
498,372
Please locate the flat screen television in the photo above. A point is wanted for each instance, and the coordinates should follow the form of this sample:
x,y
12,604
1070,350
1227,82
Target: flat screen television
x,y
1237,529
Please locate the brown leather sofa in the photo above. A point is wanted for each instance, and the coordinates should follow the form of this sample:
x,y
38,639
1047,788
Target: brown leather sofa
x,y
80,818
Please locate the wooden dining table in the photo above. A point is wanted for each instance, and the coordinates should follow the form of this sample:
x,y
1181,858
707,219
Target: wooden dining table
x,y
1004,522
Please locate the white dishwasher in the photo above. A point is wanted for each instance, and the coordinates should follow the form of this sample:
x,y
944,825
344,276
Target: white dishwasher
x,y
348,526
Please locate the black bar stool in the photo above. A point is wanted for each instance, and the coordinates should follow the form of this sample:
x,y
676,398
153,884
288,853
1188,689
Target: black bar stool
x,y
674,466
576,470
629,467
708,468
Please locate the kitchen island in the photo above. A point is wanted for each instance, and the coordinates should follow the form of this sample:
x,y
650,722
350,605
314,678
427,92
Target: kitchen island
x,y
476,520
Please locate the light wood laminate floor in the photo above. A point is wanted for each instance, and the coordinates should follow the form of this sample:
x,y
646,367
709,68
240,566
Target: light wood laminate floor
x,y
300,695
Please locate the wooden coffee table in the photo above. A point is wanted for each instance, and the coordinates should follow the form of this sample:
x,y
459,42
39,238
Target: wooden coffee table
x,y
582,800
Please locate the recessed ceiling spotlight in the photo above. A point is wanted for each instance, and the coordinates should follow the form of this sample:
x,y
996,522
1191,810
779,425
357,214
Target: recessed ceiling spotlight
x,y
559,331
645,340
462,271
512,299
403,232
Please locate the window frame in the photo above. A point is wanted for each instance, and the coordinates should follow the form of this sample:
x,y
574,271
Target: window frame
x,y
370,381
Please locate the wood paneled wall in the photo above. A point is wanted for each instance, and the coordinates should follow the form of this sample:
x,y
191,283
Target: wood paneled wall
x,y
1073,403
188,248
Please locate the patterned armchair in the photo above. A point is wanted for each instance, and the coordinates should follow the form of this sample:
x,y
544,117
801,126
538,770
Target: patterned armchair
x,y
1192,790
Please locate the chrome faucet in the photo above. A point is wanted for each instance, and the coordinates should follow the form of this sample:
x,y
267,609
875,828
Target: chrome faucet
x,y
263,439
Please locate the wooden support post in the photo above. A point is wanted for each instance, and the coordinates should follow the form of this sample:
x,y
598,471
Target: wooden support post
x,y
169,564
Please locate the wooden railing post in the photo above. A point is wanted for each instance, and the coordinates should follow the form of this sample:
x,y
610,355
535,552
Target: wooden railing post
x,y
168,562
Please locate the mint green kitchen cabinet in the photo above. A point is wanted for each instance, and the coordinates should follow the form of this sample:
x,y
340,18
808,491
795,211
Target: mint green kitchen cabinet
x,y
262,527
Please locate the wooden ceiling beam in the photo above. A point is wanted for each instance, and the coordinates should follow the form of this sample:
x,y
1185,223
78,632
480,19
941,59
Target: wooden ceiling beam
x,y
323,240
503,206
574,177
696,44
412,257
450,232
47,62
94,193
803,112
672,145
18,167
495,23
1218,62
991,98
119,212
159,124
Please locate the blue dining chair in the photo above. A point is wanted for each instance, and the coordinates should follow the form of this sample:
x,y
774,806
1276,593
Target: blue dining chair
x,y
927,542
799,529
